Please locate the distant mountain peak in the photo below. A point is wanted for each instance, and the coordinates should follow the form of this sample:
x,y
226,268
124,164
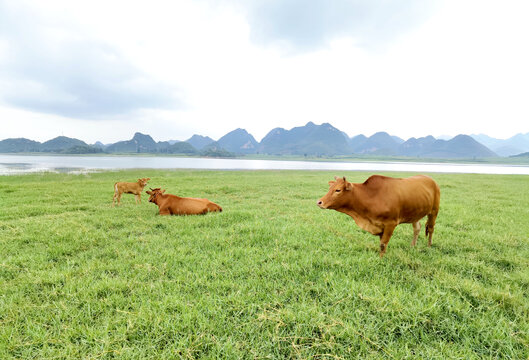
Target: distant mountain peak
x,y
60,143
238,141
310,139
240,130
139,135
199,141
380,133
61,137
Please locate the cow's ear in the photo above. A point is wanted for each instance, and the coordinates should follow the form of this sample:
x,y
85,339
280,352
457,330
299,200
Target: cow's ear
x,y
336,178
149,192
332,182
348,186
162,191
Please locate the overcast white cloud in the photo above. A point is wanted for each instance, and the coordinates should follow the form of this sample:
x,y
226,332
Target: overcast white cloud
x,y
51,66
103,70
297,26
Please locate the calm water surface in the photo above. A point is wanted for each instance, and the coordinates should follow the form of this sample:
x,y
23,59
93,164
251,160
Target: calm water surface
x,y
20,164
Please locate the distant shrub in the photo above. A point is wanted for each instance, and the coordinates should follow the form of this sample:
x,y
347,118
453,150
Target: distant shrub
x,y
220,153
82,149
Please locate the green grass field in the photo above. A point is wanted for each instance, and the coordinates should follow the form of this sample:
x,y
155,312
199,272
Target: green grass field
x,y
271,277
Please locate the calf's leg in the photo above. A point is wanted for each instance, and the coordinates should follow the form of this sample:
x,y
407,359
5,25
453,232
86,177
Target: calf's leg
x,y
118,197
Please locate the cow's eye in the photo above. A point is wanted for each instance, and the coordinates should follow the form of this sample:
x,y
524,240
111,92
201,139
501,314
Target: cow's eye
x,y
337,190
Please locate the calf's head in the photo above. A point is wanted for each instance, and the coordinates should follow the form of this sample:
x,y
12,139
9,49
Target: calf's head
x,y
154,194
339,189
143,181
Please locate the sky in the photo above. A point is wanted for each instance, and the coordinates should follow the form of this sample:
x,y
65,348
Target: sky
x,y
103,70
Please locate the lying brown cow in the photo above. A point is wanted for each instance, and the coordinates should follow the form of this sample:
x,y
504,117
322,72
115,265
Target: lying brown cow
x,y
381,203
174,205
129,188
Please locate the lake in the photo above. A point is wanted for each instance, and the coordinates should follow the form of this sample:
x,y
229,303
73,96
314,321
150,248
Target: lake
x,y
20,164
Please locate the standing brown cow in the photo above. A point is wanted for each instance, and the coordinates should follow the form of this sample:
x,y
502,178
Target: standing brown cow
x,y
175,205
381,203
129,188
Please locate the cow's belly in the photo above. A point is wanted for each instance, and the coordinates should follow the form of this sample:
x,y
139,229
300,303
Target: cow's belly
x,y
411,215
367,225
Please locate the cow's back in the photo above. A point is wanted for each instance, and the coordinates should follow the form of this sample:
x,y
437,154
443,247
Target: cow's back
x,y
190,206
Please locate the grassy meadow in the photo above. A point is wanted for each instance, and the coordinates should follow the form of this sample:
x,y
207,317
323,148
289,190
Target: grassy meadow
x,y
271,277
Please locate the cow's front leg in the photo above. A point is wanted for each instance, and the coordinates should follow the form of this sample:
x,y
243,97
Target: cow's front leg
x,y
416,230
384,238
165,211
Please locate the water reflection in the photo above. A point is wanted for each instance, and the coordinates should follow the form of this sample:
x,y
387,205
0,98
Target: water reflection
x,y
19,164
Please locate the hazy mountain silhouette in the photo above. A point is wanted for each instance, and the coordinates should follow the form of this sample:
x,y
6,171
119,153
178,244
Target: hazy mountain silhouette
x,y
526,154
356,142
238,141
310,139
416,147
61,143
516,144
199,141
380,143
181,147
461,146
397,139
100,145
140,143
19,145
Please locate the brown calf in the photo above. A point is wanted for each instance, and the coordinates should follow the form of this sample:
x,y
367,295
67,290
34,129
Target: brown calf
x,y
381,203
129,188
174,205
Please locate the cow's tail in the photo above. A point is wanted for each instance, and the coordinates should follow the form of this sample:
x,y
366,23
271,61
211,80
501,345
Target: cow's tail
x,y
430,223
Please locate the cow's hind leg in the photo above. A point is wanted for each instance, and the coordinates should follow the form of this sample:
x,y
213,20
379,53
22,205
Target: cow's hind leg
x,y
416,229
384,238
430,225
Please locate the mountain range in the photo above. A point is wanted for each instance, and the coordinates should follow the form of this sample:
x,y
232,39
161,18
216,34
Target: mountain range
x,y
517,144
307,140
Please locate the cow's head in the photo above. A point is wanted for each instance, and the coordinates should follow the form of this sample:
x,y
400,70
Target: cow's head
x,y
337,195
143,181
154,194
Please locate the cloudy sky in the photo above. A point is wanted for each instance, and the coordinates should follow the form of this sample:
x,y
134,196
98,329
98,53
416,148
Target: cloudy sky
x,y
102,70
